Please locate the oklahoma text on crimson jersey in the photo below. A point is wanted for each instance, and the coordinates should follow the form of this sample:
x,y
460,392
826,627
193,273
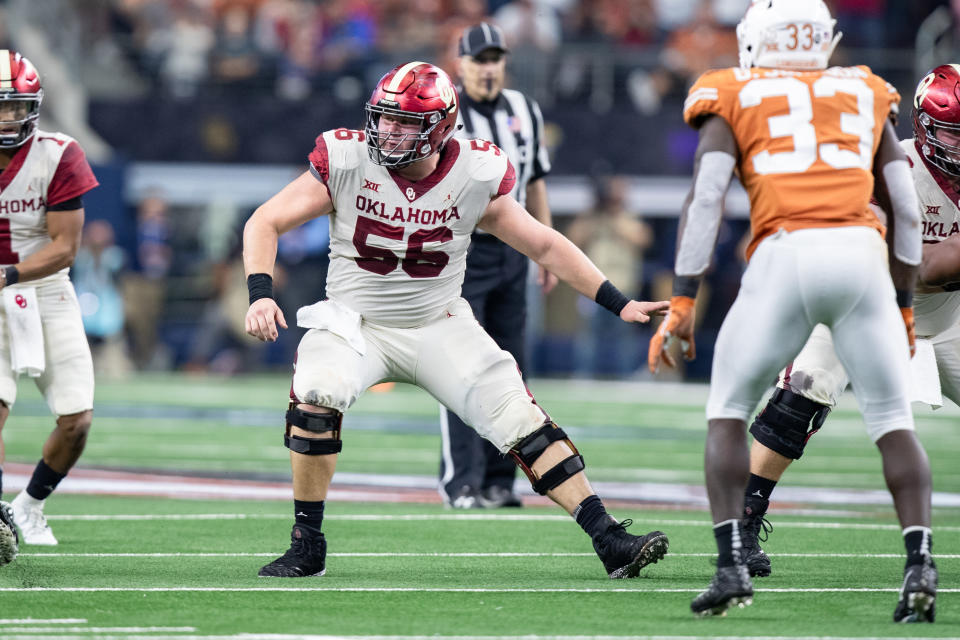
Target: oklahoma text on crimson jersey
x,y
48,169
411,238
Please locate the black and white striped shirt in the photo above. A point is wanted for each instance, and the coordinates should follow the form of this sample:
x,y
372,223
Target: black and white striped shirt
x,y
514,123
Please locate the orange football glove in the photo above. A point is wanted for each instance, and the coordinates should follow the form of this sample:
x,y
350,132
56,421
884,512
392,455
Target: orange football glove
x,y
907,313
678,325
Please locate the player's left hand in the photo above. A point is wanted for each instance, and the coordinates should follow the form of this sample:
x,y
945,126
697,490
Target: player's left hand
x,y
678,325
907,313
263,318
546,280
640,311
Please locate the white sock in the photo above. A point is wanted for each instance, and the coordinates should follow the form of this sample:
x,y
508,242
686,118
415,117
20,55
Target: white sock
x,y
28,500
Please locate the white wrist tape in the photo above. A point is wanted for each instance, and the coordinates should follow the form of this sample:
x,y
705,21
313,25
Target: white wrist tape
x,y
907,242
704,213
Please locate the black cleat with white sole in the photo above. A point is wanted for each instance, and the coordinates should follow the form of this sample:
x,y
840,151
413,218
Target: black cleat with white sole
x,y
306,556
918,594
755,528
730,586
624,555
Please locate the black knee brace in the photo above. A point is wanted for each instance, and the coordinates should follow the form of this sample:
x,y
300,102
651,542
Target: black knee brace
x,y
315,423
787,423
526,452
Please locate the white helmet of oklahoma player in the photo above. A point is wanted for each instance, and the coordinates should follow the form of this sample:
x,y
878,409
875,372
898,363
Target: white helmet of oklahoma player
x,y
787,34
20,98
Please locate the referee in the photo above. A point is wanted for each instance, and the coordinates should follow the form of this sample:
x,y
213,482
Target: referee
x,y
473,473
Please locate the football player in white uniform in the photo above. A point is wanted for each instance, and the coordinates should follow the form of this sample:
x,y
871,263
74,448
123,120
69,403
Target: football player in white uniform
x,y
811,385
44,176
403,197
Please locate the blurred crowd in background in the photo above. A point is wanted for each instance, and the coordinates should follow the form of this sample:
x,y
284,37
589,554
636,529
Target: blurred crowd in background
x,y
204,83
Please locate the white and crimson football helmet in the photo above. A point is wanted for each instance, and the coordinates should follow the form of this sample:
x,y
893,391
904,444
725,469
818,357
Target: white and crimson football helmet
x,y
418,91
787,34
936,118
20,98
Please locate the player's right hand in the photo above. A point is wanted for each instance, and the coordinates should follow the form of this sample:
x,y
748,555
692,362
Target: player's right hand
x,y
907,313
678,325
640,310
263,318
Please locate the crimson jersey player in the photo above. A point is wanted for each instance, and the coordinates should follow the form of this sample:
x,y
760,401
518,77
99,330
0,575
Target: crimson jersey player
x,y
44,176
403,197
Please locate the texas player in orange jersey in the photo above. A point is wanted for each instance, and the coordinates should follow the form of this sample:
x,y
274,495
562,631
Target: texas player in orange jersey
x,y
810,145
813,382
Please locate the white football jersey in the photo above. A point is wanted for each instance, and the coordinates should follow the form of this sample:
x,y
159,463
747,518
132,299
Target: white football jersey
x,y
940,219
49,169
398,248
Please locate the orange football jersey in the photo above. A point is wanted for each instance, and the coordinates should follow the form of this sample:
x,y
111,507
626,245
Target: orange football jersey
x,y
806,141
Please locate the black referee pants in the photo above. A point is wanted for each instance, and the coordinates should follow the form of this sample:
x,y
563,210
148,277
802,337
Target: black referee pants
x,y
495,285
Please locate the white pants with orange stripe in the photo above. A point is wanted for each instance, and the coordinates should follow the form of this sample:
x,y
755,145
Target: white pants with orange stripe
x,y
836,276
452,358
67,379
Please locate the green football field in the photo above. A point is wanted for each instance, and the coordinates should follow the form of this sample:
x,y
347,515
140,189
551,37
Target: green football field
x,y
145,566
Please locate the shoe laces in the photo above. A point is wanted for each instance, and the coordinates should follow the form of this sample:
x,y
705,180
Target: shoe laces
x,y
621,526
36,519
758,527
302,546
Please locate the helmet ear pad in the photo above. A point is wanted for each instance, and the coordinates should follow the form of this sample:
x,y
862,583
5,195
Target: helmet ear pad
x,y
416,91
936,118
19,82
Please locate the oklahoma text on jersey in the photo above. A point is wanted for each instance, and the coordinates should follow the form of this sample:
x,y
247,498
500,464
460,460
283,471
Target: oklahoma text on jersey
x,y
412,237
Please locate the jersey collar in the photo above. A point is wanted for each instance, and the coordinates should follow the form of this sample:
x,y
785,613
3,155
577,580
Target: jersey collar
x,y
949,189
16,162
413,190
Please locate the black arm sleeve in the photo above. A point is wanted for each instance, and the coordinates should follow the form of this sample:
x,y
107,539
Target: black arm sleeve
x,y
67,205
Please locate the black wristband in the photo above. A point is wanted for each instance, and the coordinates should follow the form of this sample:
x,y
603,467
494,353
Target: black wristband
x,y
11,275
611,298
260,285
686,286
904,298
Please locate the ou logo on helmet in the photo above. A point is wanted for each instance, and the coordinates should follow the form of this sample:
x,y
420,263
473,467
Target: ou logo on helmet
x,y
447,93
922,89
21,301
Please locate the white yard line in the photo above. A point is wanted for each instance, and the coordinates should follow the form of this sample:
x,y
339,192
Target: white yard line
x,y
465,554
281,636
470,517
59,630
299,588
43,620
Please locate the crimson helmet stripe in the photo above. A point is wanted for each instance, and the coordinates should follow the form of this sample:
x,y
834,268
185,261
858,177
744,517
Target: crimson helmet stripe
x,y
6,73
400,75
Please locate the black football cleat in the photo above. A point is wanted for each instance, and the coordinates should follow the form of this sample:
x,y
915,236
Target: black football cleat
x,y
624,554
730,586
918,593
755,528
9,540
306,556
